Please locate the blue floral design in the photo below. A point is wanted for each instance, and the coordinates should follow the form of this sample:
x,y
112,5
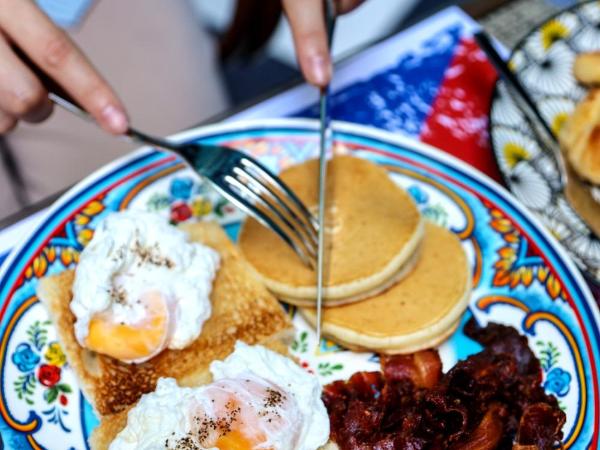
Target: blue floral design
x,y
25,358
181,188
558,381
55,416
436,214
418,194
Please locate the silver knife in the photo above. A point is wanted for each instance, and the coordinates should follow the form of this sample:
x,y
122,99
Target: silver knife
x,y
324,146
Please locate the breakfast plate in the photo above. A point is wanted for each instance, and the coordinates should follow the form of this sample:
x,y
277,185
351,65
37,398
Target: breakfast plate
x,y
521,276
543,60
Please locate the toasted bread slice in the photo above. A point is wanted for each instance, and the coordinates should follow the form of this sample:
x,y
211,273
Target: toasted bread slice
x,y
111,425
242,310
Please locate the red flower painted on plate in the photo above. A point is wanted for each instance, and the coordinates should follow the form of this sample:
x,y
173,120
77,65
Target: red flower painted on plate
x,y
63,399
180,212
49,375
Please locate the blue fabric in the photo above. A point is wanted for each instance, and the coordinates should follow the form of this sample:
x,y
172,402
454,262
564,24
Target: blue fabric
x,y
65,13
400,97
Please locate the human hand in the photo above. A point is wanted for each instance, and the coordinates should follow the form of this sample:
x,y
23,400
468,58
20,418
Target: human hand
x,y
22,95
307,21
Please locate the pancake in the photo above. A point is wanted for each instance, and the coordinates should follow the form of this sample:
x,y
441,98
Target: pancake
x,y
418,313
373,232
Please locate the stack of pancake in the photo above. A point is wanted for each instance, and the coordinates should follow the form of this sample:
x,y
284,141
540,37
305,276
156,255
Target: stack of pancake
x,y
393,283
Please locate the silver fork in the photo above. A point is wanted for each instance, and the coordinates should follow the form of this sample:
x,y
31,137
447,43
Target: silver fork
x,y
242,180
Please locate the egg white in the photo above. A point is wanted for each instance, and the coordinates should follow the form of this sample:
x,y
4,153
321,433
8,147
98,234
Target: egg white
x,y
283,372
133,253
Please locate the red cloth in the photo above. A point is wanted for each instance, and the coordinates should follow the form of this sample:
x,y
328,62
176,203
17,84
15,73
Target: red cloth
x,y
458,122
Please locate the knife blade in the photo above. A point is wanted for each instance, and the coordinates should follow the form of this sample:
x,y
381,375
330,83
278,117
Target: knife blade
x,y
325,137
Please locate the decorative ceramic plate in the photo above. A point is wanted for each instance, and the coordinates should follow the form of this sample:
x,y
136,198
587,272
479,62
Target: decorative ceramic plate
x,y
543,61
521,276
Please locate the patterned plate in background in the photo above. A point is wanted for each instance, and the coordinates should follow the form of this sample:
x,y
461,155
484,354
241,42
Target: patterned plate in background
x,y
521,276
544,60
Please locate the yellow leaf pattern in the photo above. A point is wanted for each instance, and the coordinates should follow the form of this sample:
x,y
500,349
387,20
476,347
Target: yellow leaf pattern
x,y
54,355
509,272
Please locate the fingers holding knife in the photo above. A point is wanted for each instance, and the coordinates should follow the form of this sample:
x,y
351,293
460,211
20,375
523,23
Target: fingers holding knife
x,y
307,22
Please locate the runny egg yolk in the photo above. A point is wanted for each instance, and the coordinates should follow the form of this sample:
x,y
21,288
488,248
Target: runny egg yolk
x,y
131,342
234,440
237,427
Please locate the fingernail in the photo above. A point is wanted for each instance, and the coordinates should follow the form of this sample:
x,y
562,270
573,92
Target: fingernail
x,y
115,119
320,69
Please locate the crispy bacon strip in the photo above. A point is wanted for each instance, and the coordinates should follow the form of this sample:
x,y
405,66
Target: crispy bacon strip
x,y
500,339
482,403
423,368
488,433
443,416
540,425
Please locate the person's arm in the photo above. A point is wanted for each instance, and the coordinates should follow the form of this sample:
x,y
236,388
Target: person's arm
x,y
307,21
22,95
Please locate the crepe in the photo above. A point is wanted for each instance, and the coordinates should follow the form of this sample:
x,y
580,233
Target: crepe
x,y
580,198
586,68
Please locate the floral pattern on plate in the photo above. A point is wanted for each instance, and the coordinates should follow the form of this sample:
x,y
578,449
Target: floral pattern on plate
x,y
543,60
40,364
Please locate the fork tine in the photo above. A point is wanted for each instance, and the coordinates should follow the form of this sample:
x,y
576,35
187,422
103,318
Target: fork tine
x,y
263,174
269,180
267,207
280,204
288,204
271,201
260,194
237,192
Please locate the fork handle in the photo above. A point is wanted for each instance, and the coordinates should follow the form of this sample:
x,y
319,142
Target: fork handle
x,y
56,93
60,97
132,133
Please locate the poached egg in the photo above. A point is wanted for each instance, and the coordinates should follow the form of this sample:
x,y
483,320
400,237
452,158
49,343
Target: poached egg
x,y
140,287
258,400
